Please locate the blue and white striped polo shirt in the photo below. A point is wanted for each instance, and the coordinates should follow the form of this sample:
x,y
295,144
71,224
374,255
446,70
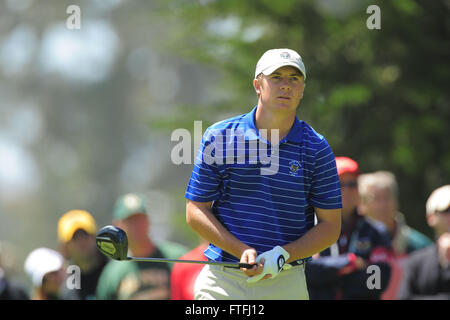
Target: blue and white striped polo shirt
x,y
263,210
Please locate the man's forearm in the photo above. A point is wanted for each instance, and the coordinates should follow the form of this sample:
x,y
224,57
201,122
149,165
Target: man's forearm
x,y
320,237
203,221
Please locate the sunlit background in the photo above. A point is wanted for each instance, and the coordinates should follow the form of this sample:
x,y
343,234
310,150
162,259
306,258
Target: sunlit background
x,y
87,114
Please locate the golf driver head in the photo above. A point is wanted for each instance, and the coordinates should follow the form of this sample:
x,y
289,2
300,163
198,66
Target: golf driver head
x,y
112,242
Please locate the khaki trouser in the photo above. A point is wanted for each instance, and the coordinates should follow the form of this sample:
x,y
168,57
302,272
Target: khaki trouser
x,y
221,283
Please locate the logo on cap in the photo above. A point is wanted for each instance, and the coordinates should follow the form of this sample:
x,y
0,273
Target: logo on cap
x,y
285,55
131,202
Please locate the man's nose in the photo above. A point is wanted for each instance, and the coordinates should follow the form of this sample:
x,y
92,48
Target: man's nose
x,y
285,85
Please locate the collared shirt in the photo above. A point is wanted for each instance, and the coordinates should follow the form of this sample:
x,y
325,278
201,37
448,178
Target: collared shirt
x,y
263,193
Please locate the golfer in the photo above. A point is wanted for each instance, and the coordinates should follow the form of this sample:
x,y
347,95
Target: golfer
x,y
257,182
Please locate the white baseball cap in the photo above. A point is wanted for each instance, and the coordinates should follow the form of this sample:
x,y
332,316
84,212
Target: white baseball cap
x,y
273,59
40,262
439,200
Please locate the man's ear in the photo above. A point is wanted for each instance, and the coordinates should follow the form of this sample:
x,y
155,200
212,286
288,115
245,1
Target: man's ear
x,y
257,86
432,220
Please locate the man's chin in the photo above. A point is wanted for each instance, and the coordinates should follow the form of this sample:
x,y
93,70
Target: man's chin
x,y
289,105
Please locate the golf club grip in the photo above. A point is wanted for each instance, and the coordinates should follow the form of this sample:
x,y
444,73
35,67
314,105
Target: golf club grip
x,y
225,264
245,265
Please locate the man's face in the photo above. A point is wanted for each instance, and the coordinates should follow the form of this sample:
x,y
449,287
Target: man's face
x,y
440,221
82,245
52,282
282,89
349,190
137,227
381,204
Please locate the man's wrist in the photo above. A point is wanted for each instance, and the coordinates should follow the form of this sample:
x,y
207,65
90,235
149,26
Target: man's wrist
x,y
244,248
290,258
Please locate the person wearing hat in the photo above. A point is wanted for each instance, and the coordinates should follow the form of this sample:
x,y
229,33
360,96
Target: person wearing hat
x,y
379,201
46,270
257,205
427,271
339,272
76,234
137,280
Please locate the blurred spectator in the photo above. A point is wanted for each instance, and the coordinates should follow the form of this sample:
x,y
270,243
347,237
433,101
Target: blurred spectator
x,y
76,233
10,289
339,272
427,271
46,269
130,279
379,201
183,276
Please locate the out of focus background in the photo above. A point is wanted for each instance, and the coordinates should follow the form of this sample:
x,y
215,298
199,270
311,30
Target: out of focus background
x,y
87,114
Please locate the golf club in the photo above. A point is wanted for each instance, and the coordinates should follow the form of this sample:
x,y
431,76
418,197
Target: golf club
x,y
113,242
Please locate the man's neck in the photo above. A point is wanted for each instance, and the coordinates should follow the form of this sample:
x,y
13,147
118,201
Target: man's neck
x,y
348,218
145,249
391,225
281,121
347,213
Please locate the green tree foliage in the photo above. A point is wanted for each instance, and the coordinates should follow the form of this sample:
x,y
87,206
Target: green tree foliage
x,y
378,96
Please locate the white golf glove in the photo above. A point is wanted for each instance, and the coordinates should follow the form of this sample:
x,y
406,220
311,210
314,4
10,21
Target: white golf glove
x,y
274,262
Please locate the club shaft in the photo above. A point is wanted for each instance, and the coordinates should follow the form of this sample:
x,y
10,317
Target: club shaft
x,y
223,264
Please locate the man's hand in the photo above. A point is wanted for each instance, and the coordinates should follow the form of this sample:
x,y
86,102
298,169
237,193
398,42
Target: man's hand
x,y
273,262
249,256
356,263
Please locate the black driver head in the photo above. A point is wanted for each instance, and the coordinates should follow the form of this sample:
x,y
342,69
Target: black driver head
x,y
112,242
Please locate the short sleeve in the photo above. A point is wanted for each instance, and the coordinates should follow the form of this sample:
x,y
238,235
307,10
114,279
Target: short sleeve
x,y
205,181
325,188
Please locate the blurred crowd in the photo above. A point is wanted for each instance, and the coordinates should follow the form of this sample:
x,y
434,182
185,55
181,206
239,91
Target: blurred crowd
x,y
374,232
405,264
